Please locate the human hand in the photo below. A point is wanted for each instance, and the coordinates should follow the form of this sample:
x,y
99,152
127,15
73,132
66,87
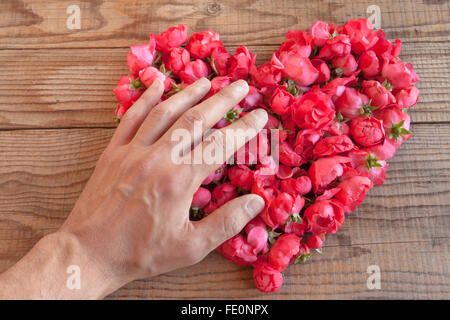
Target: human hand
x,y
132,219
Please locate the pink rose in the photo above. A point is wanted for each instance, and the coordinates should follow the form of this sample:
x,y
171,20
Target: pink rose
x,y
379,95
367,164
324,70
298,68
128,90
361,35
350,103
176,59
224,193
347,64
338,46
220,59
369,64
326,170
201,198
281,101
399,74
353,192
141,56
407,97
149,74
241,63
241,176
331,146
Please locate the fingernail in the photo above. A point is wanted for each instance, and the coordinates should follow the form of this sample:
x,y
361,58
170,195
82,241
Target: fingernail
x,y
255,205
261,115
156,83
240,85
203,82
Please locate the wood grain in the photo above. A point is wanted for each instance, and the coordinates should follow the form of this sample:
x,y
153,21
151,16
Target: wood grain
x,y
106,24
402,226
73,87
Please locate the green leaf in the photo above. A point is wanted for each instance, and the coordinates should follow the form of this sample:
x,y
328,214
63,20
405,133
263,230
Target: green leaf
x,y
334,34
372,162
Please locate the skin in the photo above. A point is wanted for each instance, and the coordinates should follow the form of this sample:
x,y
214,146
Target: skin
x,y
132,218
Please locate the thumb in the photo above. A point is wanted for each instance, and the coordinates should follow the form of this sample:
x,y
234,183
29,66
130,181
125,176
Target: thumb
x,y
228,220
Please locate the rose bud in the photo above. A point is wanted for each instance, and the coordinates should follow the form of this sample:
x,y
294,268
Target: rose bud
x,y
407,97
338,46
288,156
347,64
298,68
201,198
315,242
322,67
202,43
240,63
353,192
367,131
281,101
326,170
224,193
369,64
312,110
281,207
368,164
141,56
265,75
257,239
321,32
128,90
361,35
193,71
324,216
176,59
331,146
172,38
266,278
379,95
286,247
303,42
149,74
241,176
399,74
302,185
220,59
351,103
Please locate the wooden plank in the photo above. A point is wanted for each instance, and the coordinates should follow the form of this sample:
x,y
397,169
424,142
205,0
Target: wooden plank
x,y
73,87
42,23
402,226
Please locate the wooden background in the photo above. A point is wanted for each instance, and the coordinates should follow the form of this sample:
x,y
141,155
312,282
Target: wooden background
x,y
56,111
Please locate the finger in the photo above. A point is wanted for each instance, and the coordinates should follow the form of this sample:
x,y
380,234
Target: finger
x,y
223,143
135,116
167,112
207,113
228,220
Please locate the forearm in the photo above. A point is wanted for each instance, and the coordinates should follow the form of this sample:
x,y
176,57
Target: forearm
x,y
44,273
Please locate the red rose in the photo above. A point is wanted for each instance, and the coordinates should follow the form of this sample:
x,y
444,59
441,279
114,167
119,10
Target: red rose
x,y
141,56
172,38
176,59
353,192
312,110
379,95
386,49
240,63
350,103
361,35
265,75
326,170
399,74
284,249
331,146
266,278
299,41
253,99
369,64
238,250
201,198
305,141
120,111
315,242
201,44
322,67
325,216
281,208
288,156
241,176
220,59
224,193
407,97
367,131
347,64
193,71
128,90
302,185
281,101
338,46
257,239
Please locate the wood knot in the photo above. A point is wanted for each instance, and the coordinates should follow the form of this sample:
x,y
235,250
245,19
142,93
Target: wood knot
x,y
213,8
